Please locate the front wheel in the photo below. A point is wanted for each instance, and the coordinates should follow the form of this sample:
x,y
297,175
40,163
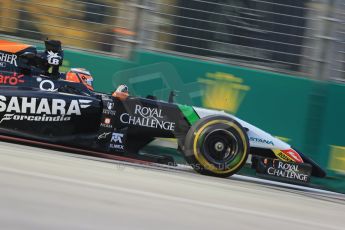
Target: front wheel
x,y
216,146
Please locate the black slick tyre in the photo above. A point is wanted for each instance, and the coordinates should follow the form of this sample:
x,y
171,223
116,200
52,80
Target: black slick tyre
x,y
216,146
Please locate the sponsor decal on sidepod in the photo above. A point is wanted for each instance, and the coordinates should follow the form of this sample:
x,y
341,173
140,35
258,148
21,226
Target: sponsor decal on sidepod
x,y
109,112
147,117
110,105
107,123
39,109
103,136
14,79
116,141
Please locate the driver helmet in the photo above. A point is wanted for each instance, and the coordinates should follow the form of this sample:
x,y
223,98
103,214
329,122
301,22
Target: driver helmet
x,y
80,75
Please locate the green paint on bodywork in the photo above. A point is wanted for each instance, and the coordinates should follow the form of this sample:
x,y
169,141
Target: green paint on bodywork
x,y
189,113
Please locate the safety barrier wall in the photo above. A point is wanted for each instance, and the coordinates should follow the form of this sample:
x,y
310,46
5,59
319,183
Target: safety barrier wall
x,y
305,113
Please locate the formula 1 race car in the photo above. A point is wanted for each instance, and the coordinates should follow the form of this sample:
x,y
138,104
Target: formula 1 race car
x,y
38,103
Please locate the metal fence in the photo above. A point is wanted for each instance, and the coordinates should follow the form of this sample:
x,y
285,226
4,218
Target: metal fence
x,y
91,25
304,37
338,61
293,36
260,33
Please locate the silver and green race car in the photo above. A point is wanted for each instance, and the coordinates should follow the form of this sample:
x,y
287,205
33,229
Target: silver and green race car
x,y
40,105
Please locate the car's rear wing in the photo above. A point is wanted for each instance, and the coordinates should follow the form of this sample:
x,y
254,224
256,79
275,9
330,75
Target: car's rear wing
x,y
10,52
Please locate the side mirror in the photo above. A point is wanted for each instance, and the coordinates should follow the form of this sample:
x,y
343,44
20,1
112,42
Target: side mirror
x,y
172,96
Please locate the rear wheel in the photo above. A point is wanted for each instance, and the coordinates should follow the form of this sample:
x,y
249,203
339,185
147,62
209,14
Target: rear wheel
x,y
216,146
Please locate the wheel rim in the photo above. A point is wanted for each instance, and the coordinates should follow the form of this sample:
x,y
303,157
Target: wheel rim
x,y
220,147
198,147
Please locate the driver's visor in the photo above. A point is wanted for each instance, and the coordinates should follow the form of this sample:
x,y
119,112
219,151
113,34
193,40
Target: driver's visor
x,y
87,79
